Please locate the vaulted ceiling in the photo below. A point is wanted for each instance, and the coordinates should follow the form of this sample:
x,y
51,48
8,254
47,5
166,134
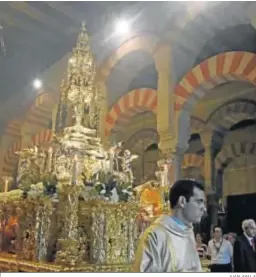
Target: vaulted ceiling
x,y
38,34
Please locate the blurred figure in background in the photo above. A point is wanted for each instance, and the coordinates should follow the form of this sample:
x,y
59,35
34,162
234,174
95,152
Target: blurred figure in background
x,y
231,237
200,246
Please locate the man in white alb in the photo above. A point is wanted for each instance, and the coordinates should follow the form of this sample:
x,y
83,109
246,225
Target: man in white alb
x,y
168,245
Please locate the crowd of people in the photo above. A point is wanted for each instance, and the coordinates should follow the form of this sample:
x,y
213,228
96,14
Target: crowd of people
x,y
230,252
201,243
169,243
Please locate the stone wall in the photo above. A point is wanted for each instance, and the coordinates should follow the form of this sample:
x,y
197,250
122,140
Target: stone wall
x,y
239,177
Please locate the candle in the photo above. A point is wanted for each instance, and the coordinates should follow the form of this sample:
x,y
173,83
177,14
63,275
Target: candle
x,y
50,159
111,160
6,183
36,149
165,175
7,180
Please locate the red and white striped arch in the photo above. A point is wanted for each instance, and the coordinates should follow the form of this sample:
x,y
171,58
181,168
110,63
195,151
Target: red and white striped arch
x,y
216,70
132,103
10,158
193,160
13,128
43,136
146,42
40,112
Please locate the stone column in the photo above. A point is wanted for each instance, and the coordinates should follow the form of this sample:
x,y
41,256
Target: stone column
x,y
206,139
176,159
54,118
212,208
165,112
165,96
102,90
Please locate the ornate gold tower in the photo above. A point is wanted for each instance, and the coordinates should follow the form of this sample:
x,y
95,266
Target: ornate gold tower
x,y
78,148
80,82
79,142
78,89
76,194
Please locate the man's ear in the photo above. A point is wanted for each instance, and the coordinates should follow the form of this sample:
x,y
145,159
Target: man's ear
x,y
182,201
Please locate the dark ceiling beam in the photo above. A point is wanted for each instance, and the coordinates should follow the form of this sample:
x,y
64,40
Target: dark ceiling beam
x,y
37,15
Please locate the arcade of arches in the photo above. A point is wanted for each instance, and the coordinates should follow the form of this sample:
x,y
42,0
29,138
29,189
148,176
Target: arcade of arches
x,y
204,119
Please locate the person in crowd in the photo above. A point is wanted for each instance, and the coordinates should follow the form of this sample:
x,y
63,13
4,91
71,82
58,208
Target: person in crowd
x,y
220,252
168,245
244,248
231,237
204,238
200,246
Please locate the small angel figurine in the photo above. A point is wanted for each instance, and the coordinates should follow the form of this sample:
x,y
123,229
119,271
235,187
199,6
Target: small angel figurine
x,y
162,174
114,156
127,159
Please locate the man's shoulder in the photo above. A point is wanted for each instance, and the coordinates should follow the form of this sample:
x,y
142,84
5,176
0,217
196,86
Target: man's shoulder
x,y
156,228
240,238
210,242
155,231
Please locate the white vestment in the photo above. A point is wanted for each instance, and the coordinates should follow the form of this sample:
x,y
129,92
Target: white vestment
x,y
167,246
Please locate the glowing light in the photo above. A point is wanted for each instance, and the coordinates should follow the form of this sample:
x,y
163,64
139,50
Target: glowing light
x,y
37,84
122,27
72,60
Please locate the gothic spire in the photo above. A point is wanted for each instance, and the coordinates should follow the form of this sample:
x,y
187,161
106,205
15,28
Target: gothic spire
x,y
83,39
